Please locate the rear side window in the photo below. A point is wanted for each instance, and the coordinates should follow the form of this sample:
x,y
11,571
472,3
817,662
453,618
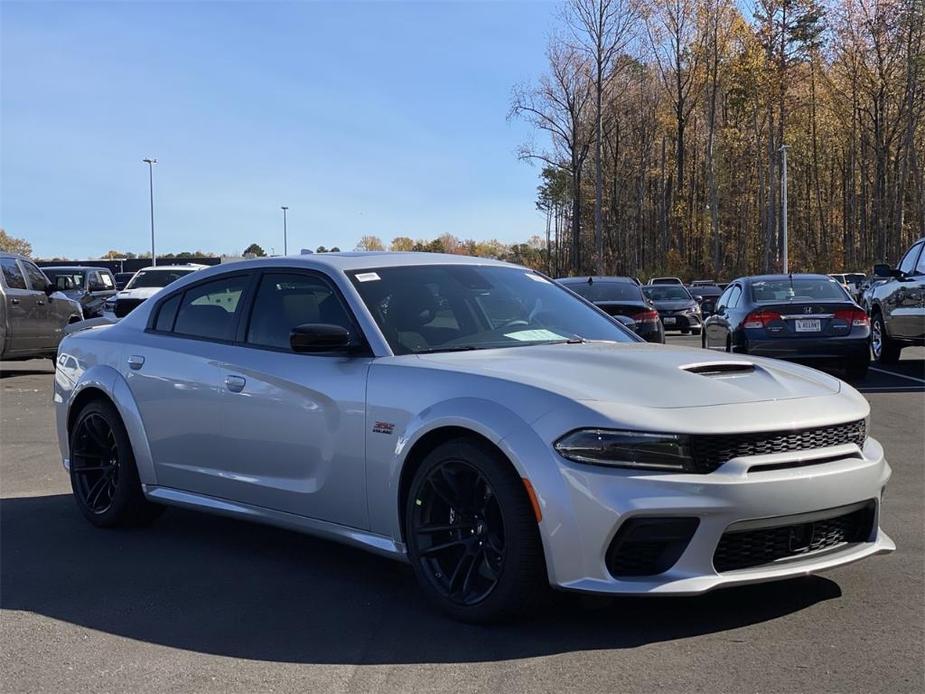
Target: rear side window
x,y
167,313
286,300
209,310
12,274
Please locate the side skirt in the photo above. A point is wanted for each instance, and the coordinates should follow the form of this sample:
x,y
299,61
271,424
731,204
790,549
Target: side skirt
x,y
378,544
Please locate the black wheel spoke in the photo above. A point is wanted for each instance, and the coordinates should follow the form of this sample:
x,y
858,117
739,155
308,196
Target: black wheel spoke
x,y
442,546
95,463
457,533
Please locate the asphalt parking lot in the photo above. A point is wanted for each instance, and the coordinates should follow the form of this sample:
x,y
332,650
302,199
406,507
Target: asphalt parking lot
x,y
198,603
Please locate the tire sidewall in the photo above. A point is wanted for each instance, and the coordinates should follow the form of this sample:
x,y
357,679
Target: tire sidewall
x,y
513,590
128,480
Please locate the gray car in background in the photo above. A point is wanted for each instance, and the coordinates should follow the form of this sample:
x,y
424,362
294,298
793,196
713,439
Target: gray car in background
x,y
33,314
90,286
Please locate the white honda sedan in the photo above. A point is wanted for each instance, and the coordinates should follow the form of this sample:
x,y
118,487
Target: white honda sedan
x,y
470,417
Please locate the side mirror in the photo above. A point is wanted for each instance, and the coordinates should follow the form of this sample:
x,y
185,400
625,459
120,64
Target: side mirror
x,y
698,298
319,337
884,270
49,288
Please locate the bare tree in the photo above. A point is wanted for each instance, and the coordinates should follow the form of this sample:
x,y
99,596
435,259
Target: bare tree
x,y
602,30
558,106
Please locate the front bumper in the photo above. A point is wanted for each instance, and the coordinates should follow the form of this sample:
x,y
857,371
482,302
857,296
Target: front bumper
x,y
603,499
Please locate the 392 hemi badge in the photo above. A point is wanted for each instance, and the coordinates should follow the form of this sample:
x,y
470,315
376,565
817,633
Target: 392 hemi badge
x,y
383,428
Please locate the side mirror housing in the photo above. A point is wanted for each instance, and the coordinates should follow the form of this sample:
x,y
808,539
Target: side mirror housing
x,y
698,298
884,270
319,337
49,288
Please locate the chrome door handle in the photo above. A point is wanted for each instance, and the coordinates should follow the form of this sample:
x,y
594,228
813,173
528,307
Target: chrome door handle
x,y
235,383
40,302
14,301
136,361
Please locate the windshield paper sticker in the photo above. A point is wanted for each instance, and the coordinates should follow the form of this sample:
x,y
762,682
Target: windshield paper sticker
x,y
534,335
366,276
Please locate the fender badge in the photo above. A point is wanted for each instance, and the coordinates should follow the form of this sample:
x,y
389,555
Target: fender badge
x,y
383,428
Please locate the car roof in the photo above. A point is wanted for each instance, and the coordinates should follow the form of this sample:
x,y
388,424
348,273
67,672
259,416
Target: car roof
x,y
187,266
7,254
597,278
74,267
795,275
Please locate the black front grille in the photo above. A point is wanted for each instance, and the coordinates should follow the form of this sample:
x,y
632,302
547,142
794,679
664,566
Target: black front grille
x,y
126,306
709,451
741,549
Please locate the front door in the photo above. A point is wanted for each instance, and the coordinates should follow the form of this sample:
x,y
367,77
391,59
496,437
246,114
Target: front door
x,y
22,334
294,424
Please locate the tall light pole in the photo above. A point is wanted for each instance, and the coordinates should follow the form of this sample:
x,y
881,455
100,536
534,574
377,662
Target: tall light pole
x,y
151,163
285,245
783,199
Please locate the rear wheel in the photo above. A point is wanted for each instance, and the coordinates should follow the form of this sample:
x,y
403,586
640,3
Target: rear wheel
x,y
104,478
885,349
472,535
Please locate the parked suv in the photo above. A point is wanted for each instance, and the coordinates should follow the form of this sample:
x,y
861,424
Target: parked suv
x,y
897,306
32,312
90,286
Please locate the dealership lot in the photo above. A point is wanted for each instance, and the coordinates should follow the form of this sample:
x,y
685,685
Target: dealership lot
x,y
200,603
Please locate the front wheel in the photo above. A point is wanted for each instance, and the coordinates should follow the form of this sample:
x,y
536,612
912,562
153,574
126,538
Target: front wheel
x,y
472,534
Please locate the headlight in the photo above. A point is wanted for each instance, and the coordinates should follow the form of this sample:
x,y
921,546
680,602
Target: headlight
x,y
631,449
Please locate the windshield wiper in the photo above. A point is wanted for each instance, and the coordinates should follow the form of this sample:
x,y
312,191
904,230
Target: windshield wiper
x,y
453,348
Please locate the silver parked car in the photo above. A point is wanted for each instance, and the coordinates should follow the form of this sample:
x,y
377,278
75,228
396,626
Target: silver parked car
x,y
33,314
472,418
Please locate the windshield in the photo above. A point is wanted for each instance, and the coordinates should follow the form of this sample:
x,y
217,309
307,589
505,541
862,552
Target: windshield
x,y
155,278
667,292
435,308
798,289
606,291
65,278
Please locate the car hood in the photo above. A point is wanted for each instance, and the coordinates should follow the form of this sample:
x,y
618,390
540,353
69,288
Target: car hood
x,y
674,305
140,293
643,375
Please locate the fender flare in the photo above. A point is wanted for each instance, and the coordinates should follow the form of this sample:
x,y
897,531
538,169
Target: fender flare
x,y
114,386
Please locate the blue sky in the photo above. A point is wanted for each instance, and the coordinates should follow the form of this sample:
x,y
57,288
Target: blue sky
x,y
364,118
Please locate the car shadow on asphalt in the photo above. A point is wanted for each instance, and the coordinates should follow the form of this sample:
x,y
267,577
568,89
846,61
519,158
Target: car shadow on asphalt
x,y
220,586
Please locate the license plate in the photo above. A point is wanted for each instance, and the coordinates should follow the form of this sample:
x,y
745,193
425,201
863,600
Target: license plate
x,y
669,321
809,326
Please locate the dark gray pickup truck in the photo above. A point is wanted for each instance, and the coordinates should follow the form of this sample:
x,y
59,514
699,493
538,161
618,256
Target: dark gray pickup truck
x,y
33,313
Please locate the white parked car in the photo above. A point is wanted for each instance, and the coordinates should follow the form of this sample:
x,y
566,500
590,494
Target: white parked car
x,y
470,417
146,283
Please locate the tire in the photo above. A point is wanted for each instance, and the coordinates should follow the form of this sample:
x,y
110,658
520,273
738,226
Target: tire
x,y
885,349
703,339
729,344
490,565
856,369
104,478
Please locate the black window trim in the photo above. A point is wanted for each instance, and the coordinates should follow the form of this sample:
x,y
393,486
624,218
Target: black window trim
x,y
243,318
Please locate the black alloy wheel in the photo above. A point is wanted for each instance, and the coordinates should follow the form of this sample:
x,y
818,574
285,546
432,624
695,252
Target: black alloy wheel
x,y
95,463
103,474
459,532
472,533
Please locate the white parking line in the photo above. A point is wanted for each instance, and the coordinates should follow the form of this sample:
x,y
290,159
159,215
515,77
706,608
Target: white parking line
x,y
891,373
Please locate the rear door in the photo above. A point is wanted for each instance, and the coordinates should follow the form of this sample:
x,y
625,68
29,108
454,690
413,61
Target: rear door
x,y
174,372
22,333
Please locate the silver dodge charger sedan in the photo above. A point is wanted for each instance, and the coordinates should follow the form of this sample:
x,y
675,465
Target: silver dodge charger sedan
x,y
473,418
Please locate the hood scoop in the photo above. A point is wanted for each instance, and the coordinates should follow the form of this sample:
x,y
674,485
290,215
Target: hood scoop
x,y
720,368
